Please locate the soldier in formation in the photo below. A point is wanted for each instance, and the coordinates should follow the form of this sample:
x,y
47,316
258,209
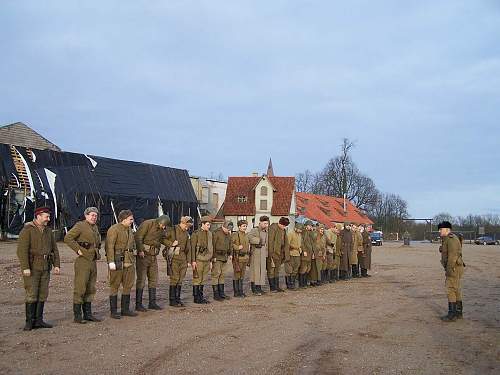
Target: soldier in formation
x,y
311,254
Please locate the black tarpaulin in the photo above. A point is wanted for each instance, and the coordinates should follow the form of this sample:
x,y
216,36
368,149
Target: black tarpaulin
x,y
70,182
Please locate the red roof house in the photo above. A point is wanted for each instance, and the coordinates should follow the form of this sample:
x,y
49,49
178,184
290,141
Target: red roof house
x,y
329,210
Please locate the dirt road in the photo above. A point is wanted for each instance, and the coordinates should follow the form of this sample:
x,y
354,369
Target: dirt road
x,y
386,324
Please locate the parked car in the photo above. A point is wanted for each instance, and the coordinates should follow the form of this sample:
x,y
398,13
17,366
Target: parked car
x,y
486,240
376,238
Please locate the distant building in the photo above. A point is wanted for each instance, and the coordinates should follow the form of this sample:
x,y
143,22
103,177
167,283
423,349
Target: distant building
x,y
251,197
19,134
210,194
330,210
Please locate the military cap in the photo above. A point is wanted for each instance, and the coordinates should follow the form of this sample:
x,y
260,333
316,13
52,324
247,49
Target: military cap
x,y
264,218
88,210
444,224
308,222
299,226
228,224
42,210
165,220
187,220
284,221
242,222
206,219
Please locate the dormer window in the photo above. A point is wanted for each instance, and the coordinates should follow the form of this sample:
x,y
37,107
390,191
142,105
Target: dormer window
x,y
242,199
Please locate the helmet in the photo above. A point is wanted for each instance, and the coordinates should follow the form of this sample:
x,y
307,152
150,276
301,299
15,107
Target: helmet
x,y
165,220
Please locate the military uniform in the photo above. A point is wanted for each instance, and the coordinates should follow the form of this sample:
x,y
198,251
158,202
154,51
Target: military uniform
x,y
317,259
308,248
331,260
222,251
452,262
356,252
278,251
121,250
347,239
85,240
293,265
37,252
180,254
148,239
365,261
202,252
241,258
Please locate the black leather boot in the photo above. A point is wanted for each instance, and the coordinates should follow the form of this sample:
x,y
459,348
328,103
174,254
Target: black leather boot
x,y
201,294
236,288
171,296
138,300
277,284
216,290
452,313
30,316
222,293
113,307
125,306
196,294
301,280
459,313
178,295
39,323
260,290
77,313
241,289
152,300
272,288
87,313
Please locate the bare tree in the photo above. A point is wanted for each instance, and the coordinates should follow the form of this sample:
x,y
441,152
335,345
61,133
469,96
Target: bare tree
x,y
304,181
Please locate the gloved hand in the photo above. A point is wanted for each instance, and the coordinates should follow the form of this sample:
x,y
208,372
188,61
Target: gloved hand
x,y
27,272
112,266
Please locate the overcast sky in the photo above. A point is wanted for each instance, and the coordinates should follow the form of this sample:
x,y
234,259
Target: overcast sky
x,y
221,86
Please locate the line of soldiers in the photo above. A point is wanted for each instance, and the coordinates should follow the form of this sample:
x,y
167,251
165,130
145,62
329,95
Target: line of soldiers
x,y
311,255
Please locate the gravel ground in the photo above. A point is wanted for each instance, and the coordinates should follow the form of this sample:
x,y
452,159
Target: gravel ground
x,y
386,324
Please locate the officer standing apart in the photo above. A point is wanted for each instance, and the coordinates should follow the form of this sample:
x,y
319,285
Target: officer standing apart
x,y
222,252
85,240
451,259
151,233
202,252
37,253
120,253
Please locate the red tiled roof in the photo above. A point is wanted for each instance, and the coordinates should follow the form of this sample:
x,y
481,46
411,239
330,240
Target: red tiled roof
x,y
244,186
328,210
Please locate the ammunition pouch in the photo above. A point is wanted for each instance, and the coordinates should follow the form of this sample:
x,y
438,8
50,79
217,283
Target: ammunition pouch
x,y
85,245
